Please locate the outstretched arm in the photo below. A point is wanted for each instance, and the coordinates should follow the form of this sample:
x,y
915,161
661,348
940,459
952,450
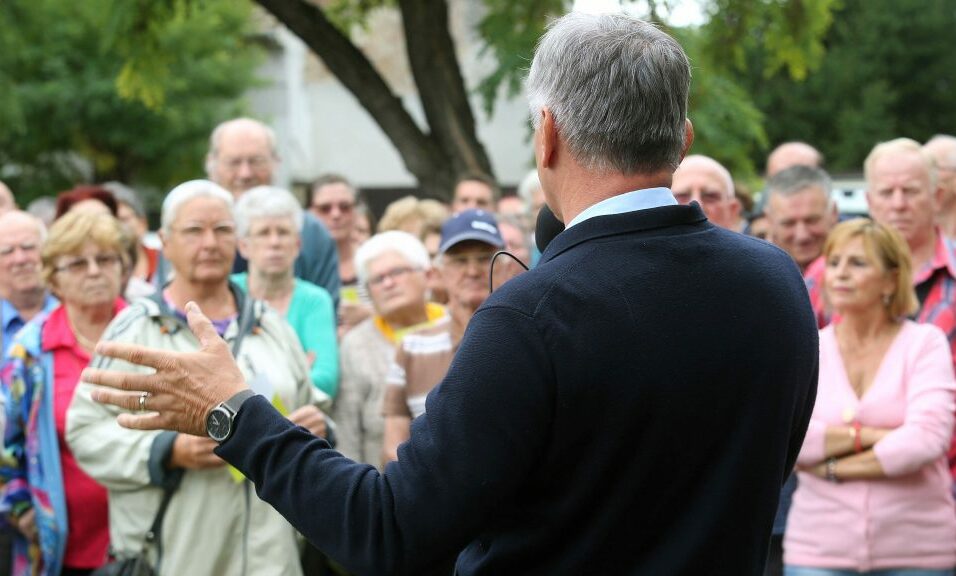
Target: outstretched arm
x,y
468,455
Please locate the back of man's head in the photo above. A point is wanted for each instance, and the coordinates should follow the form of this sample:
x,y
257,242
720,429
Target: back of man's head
x,y
617,88
791,154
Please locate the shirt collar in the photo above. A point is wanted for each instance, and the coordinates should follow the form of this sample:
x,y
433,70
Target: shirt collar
x,y
8,313
627,202
57,332
943,257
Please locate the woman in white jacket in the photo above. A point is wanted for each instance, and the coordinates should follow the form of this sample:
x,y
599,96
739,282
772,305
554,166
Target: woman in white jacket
x,y
215,523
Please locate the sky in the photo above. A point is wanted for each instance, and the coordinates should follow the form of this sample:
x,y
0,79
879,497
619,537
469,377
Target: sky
x,y
685,12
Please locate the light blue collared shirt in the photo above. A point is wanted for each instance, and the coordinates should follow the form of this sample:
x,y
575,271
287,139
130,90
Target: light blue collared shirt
x,y
629,202
11,322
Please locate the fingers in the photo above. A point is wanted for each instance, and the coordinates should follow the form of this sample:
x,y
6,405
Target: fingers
x,y
120,380
201,326
132,353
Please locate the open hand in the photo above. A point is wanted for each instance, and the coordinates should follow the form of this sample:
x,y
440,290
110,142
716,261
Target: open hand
x,y
184,387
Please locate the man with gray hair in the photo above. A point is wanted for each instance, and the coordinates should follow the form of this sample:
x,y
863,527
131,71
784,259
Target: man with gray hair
x,y
22,292
801,212
902,192
942,148
242,155
704,180
596,418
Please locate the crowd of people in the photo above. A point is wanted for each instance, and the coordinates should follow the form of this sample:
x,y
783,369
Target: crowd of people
x,y
345,324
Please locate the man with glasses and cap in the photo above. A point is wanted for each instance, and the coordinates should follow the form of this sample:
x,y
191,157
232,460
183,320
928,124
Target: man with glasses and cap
x,y
469,240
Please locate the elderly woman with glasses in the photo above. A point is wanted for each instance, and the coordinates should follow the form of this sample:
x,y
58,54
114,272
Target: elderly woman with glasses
x,y
214,523
269,226
392,268
60,512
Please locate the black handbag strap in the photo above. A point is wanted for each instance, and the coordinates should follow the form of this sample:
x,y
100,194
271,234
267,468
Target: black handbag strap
x,y
154,536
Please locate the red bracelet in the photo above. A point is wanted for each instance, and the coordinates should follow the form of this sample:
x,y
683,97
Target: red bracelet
x,y
857,437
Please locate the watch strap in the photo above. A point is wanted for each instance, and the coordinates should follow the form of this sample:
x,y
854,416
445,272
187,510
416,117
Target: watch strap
x,y
234,403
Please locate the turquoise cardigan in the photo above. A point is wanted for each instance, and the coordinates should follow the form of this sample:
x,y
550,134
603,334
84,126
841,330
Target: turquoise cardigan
x,y
30,464
312,315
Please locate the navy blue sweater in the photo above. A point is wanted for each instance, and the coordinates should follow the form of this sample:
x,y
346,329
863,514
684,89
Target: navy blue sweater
x,y
630,406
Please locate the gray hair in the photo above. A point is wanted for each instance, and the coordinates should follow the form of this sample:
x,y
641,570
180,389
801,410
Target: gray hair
x,y
401,243
529,184
796,179
899,146
264,201
617,88
189,191
126,195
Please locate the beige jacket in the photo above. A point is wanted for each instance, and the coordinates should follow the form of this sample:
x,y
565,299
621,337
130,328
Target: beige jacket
x,y
214,525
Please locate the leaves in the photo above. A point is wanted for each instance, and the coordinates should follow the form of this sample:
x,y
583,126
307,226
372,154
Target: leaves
x,y
88,100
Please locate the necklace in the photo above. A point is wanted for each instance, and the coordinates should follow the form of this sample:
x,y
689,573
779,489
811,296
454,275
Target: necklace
x,y
80,338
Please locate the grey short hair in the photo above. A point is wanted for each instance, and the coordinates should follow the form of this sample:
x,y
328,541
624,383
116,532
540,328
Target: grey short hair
x,y
899,146
216,135
126,195
796,179
189,191
401,243
264,201
617,88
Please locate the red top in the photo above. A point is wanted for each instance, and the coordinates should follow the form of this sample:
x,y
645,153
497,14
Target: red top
x,y
86,501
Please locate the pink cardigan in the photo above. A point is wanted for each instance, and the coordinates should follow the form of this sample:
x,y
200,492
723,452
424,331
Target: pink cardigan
x,y
906,520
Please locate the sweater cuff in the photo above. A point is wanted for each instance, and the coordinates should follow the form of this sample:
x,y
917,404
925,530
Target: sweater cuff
x,y
159,454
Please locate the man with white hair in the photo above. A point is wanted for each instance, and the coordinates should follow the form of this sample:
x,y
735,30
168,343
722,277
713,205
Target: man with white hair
x,y
902,192
942,148
242,155
791,154
574,432
704,180
21,281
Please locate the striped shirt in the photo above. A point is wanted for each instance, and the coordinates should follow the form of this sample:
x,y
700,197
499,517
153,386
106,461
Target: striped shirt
x,y
420,363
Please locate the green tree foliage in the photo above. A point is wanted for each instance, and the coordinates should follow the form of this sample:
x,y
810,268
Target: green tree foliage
x,y
889,71
70,100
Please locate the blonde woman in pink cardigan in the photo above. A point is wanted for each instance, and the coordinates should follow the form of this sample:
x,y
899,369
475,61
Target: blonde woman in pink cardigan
x,y
874,493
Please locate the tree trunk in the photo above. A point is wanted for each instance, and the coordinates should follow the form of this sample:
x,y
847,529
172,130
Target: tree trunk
x,y
434,64
434,160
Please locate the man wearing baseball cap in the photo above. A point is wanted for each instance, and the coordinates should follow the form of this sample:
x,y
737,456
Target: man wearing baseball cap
x,y
468,242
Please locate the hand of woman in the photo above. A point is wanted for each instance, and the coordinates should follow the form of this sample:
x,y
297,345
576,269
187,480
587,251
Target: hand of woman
x,y
310,418
27,525
194,453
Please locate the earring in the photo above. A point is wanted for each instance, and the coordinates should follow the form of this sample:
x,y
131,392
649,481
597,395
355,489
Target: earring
x,y
886,299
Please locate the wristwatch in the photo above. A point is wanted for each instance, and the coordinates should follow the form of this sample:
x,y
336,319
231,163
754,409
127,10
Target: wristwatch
x,y
219,420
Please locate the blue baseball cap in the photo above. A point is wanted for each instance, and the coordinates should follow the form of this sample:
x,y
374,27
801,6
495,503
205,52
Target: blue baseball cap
x,y
470,225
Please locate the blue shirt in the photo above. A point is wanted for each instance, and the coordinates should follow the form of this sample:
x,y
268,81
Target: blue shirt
x,y
11,321
636,200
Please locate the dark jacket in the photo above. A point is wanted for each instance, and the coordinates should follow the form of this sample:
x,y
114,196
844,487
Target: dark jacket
x,y
630,406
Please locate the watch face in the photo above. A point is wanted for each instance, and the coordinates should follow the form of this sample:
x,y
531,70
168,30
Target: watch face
x,y
218,424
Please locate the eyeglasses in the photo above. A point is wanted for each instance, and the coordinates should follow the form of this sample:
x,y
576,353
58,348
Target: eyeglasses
x,y
81,266
463,261
26,248
254,162
394,274
194,233
326,208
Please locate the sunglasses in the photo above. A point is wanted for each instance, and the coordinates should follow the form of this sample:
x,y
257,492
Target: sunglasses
x,y
326,208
